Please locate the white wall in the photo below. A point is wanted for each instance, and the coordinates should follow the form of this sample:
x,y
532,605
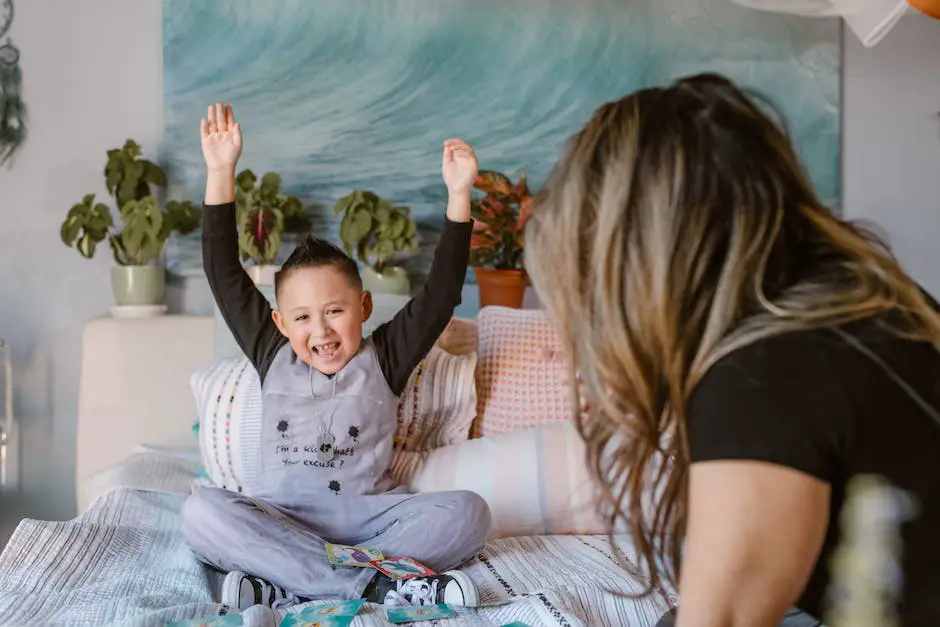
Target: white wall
x,y
92,77
891,141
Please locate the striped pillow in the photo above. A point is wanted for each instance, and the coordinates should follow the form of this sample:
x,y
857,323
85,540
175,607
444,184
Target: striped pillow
x,y
439,402
228,401
535,480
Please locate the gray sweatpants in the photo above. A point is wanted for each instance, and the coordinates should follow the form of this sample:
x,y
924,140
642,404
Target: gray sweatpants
x,y
284,545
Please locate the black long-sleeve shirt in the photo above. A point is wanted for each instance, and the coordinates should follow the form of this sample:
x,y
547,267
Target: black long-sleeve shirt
x,y
400,343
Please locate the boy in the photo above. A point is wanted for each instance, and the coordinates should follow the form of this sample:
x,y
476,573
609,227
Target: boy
x,y
329,404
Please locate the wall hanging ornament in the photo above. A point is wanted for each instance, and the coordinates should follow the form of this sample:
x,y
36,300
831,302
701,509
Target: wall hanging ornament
x,y
12,109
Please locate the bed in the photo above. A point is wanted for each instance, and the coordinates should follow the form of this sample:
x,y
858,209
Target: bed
x,y
122,560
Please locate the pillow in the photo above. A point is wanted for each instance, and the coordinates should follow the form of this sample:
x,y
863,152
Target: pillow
x,y
459,337
436,408
228,401
535,481
439,402
520,382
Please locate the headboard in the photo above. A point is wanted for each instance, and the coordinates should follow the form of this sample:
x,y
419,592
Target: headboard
x,y
134,388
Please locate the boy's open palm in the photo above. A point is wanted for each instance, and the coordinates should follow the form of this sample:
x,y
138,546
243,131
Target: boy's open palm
x,y
459,166
221,138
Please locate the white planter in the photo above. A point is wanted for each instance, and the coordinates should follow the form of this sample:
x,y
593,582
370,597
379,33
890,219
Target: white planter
x,y
262,274
394,280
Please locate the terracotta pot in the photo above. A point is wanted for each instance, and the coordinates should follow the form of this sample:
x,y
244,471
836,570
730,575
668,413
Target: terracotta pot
x,y
504,288
927,7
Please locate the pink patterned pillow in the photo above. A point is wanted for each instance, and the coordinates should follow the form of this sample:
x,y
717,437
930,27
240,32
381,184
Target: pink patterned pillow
x,y
520,378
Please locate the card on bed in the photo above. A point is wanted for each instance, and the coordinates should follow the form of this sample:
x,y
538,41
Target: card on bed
x,y
402,568
336,608
296,620
344,555
414,613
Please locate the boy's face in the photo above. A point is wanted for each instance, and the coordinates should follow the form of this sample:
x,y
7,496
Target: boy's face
x,y
320,311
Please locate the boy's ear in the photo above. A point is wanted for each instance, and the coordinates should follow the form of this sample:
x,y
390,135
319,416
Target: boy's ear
x,y
366,305
278,321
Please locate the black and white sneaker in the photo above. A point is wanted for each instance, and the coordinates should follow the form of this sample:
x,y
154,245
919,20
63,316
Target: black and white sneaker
x,y
453,588
242,591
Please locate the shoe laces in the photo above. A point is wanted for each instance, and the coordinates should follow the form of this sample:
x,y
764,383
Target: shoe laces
x,y
421,591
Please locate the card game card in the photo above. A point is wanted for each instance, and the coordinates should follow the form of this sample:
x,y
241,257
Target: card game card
x,y
343,555
295,620
336,608
415,613
401,568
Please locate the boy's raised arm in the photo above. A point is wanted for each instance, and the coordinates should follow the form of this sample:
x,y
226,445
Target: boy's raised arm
x,y
405,340
245,310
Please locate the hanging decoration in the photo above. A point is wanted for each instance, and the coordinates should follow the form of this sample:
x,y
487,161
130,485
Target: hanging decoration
x,y
870,20
12,109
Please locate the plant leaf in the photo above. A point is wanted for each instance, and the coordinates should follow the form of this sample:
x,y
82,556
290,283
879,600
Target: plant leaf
x,y
492,182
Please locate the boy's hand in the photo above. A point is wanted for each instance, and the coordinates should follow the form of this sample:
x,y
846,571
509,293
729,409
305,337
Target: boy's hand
x,y
221,138
459,167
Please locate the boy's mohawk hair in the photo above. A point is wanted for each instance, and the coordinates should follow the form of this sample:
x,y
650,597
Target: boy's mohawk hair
x,y
314,252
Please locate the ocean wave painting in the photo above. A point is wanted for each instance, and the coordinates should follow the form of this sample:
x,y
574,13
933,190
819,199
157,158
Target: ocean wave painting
x,y
339,95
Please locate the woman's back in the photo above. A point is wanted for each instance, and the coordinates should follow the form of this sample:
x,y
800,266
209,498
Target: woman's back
x,y
811,401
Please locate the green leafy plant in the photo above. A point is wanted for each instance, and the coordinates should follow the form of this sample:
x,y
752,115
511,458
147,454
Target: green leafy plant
x,y
146,226
264,214
128,177
499,216
374,230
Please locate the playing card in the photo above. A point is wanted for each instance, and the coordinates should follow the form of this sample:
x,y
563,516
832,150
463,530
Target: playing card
x,y
414,613
295,620
401,568
343,555
336,608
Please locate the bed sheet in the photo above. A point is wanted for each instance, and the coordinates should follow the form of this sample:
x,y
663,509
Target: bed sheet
x,y
124,562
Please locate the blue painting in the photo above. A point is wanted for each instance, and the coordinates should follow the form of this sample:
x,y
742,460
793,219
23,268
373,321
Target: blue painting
x,y
340,95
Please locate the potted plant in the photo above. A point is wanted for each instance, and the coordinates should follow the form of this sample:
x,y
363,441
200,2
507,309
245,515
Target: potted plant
x,y
497,246
264,214
374,231
135,279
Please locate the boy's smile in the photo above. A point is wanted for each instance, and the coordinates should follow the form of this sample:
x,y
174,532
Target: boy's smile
x,y
321,312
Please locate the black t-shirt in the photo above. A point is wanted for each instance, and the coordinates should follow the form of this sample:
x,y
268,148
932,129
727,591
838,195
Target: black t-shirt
x,y
810,401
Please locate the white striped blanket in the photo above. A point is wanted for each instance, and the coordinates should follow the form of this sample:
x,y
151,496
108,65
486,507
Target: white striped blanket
x,y
124,562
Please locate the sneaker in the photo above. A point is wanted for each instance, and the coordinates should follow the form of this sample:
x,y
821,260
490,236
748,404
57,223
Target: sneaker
x,y
453,588
242,591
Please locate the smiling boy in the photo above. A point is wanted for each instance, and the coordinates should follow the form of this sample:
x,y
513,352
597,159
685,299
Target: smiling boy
x,y
328,420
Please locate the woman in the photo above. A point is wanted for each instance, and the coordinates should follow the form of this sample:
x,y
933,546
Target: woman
x,y
722,319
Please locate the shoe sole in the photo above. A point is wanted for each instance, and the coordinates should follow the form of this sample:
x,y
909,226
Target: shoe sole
x,y
471,596
231,589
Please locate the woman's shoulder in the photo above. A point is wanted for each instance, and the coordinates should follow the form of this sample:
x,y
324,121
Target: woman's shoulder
x,y
778,399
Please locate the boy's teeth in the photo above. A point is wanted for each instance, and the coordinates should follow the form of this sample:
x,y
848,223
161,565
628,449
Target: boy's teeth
x,y
326,348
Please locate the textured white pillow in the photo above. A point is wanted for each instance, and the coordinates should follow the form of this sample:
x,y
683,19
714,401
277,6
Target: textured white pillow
x,y
436,408
228,400
439,402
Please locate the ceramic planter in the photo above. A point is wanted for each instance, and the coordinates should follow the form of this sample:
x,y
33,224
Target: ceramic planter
x,y
392,280
138,285
262,274
504,288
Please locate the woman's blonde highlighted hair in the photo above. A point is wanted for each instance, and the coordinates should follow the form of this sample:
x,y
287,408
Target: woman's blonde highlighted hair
x,y
678,227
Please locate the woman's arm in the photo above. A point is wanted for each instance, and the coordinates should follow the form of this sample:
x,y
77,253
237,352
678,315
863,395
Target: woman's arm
x,y
755,530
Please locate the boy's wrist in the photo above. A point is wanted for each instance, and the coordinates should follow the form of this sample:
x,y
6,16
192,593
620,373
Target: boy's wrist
x,y
220,186
458,206
225,170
